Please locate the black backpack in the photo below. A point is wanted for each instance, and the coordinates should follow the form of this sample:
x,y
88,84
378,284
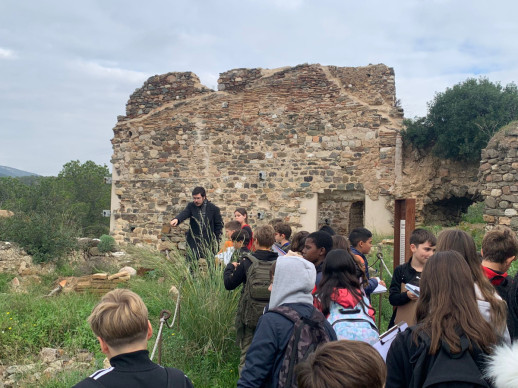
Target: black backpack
x,y
445,369
307,335
255,294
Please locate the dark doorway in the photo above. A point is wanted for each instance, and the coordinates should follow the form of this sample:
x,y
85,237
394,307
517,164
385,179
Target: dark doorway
x,y
343,210
356,215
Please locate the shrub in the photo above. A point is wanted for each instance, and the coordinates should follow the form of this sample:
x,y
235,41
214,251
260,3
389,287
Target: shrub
x,y
475,213
107,244
45,236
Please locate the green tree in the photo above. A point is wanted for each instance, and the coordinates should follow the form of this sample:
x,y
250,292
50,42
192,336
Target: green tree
x,y
461,121
42,223
84,185
51,212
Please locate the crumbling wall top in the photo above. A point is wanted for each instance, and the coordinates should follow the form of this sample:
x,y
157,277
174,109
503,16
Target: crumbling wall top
x,y
160,89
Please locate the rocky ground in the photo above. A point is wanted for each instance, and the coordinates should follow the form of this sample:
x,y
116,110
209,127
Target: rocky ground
x,y
16,262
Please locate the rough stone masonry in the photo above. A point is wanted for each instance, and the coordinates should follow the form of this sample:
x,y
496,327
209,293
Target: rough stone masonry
x,y
499,178
309,144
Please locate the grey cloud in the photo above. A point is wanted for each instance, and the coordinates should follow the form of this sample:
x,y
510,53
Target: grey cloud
x,y
67,68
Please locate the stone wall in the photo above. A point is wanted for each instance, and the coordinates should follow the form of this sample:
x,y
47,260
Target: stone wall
x,y
277,142
442,188
161,89
499,178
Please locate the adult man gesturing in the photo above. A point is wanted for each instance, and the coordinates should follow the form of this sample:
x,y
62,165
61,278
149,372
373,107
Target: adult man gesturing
x,y
206,225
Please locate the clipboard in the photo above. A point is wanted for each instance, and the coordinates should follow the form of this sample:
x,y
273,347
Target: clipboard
x,y
406,313
383,345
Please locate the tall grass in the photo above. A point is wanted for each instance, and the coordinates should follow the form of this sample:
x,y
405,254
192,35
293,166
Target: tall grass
x,y
202,341
207,309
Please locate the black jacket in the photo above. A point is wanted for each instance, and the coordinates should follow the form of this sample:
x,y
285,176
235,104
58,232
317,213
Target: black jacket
x,y
512,303
207,228
403,273
409,365
234,276
135,370
266,353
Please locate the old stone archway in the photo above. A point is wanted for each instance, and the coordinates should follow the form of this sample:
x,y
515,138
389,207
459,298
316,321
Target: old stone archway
x,y
447,211
343,210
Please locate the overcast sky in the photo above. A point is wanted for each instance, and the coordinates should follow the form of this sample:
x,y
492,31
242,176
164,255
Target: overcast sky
x,y
67,68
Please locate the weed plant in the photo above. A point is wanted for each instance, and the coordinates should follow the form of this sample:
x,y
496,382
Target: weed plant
x,y
475,213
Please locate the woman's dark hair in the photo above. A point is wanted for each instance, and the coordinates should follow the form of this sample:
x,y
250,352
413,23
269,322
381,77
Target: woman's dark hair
x,y
298,241
340,271
242,211
462,242
340,242
447,305
326,228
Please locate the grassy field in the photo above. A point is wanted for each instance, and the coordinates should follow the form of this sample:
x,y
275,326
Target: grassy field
x,y
201,343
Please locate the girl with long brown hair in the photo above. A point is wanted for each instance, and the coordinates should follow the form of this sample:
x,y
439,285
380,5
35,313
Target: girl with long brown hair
x,y
491,306
241,215
451,339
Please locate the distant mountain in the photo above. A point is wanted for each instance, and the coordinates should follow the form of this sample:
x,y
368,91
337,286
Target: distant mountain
x,y
13,172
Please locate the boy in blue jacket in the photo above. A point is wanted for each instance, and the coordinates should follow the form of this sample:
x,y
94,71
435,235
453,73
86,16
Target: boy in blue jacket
x,y
361,245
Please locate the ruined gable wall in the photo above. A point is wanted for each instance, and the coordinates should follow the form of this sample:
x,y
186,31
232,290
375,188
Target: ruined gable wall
x,y
310,128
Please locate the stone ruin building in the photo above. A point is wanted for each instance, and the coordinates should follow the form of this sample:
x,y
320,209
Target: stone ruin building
x,y
499,178
310,144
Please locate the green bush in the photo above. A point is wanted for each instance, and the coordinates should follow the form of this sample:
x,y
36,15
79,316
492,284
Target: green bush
x,y
44,236
475,213
107,244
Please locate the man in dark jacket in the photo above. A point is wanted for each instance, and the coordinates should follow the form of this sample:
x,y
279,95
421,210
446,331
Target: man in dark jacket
x,y
293,283
206,224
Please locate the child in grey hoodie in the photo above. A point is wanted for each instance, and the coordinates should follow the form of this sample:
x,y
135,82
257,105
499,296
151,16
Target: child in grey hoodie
x,y
293,283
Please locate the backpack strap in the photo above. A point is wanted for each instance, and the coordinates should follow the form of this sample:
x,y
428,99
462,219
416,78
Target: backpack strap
x,y
286,312
297,320
249,256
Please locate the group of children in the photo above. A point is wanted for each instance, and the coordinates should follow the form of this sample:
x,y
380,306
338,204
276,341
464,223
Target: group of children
x,y
316,278
462,312
459,305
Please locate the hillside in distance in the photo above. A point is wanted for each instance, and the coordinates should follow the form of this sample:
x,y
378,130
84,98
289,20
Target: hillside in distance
x,y
13,172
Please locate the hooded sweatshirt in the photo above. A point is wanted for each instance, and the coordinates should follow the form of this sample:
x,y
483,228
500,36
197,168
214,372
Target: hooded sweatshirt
x,y
293,282
485,309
